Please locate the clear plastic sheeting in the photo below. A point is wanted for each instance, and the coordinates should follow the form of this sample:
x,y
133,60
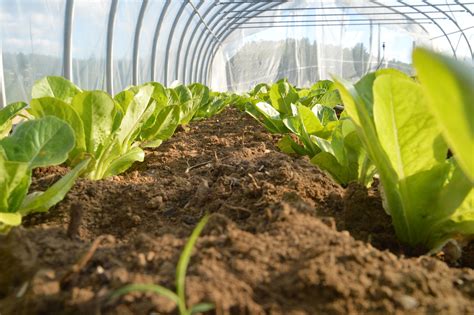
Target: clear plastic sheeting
x,y
306,41
89,44
227,44
124,34
31,37
150,21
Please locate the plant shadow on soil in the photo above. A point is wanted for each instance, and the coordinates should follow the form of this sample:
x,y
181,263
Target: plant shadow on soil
x,y
283,238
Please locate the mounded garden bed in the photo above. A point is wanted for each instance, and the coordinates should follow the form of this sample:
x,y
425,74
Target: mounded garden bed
x,y
282,238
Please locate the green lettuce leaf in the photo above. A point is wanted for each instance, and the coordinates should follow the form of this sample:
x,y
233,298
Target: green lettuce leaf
x,y
41,142
282,95
42,201
6,117
57,87
422,191
450,89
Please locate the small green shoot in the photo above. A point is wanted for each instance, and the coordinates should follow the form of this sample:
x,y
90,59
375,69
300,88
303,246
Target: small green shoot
x,y
180,296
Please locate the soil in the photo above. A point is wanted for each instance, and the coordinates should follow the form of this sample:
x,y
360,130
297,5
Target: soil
x,y
282,238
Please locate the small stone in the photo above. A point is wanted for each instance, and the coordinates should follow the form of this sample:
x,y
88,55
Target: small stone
x,y
452,251
136,219
43,283
190,220
150,256
459,282
119,275
141,260
407,302
156,202
82,295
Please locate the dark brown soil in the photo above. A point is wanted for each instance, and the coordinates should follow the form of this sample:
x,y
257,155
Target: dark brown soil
x,y
282,238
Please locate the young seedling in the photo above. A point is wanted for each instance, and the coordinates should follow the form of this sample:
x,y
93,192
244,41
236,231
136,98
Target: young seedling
x,y
179,297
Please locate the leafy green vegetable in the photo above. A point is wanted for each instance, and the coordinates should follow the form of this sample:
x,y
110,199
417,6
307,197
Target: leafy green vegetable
x,y
343,156
106,129
215,104
39,143
428,198
282,95
6,116
162,128
180,296
450,88
308,114
35,143
331,144
268,116
56,87
164,119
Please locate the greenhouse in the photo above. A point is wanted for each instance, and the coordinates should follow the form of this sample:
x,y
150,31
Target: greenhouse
x,y
236,157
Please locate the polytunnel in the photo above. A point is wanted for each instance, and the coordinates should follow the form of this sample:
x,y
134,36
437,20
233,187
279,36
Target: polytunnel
x,y
228,45
225,157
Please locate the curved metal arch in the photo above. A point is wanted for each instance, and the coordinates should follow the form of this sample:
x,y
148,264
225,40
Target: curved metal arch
x,y
401,13
200,42
136,41
434,22
187,67
213,50
455,23
225,33
3,96
206,43
181,40
67,50
170,39
212,53
155,39
109,59
464,7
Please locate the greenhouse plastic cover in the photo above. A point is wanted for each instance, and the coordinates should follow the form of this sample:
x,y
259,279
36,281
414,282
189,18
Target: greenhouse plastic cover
x,y
228,45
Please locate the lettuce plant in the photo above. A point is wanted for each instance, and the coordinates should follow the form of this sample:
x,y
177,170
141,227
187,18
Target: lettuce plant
x,y
6,116
215,104
331,143
36,143
189,99
261,92
323,92
270,105
449,85
106,129
164,119
428,196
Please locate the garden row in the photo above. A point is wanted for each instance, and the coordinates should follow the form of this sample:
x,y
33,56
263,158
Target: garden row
x,y
392,127
95,134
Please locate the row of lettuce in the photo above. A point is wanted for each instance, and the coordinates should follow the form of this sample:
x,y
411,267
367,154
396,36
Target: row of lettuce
x,y
93,133
391,126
